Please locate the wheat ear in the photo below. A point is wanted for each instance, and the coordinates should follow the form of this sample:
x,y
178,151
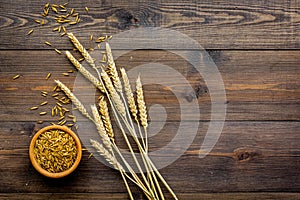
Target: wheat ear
x,y
141,102
106,119
81,49
105,153
113,93
131,101
85,72
101,129
112,69
129,94
74,99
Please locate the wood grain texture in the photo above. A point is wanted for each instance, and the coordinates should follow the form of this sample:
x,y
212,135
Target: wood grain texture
x,y
271,24
254,44
267,89
249,157
195,196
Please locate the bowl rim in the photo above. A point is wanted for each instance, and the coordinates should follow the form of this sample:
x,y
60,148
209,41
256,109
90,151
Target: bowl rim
x,y
59,174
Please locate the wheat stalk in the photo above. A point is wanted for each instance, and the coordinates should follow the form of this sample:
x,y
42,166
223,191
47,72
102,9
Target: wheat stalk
x,y
129,94
108,157
113,93
112,69
101,129
105,117
74,99
81,49
131,102
141,103
85,72
112,87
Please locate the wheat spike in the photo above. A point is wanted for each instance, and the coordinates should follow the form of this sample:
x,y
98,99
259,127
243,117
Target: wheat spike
x,y
85,72
105,117
105,153
74,99
129,94
113,93
101,129
81,49
112,69
141,102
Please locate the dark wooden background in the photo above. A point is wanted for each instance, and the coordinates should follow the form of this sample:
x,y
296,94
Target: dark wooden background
x,y
256,46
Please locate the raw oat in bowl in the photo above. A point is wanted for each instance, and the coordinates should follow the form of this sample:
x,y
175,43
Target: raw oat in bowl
x,y
55,151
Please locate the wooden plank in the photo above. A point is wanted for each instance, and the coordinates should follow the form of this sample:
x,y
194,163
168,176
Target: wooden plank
x,y
267,89
208,196
249,157
271,24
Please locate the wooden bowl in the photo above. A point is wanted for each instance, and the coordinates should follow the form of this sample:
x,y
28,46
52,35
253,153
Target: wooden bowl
x,y
44,171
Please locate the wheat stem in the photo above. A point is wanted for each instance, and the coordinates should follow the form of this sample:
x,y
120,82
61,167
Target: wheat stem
x,y
116,148
130,148
126,185
137,181
161,178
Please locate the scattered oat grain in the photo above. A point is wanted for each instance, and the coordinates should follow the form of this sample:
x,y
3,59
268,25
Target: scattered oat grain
x,y
48,43
44,103
34,108
29,32
16,77
57,51
64,33
48,76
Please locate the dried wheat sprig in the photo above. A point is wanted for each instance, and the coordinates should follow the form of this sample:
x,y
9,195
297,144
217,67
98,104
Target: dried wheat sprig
x,y
141,102
81,49
113,106
101,129
114,95
129,94
106,154
85,72
131,103
137,180
106,118
112,69
74,99
142,108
